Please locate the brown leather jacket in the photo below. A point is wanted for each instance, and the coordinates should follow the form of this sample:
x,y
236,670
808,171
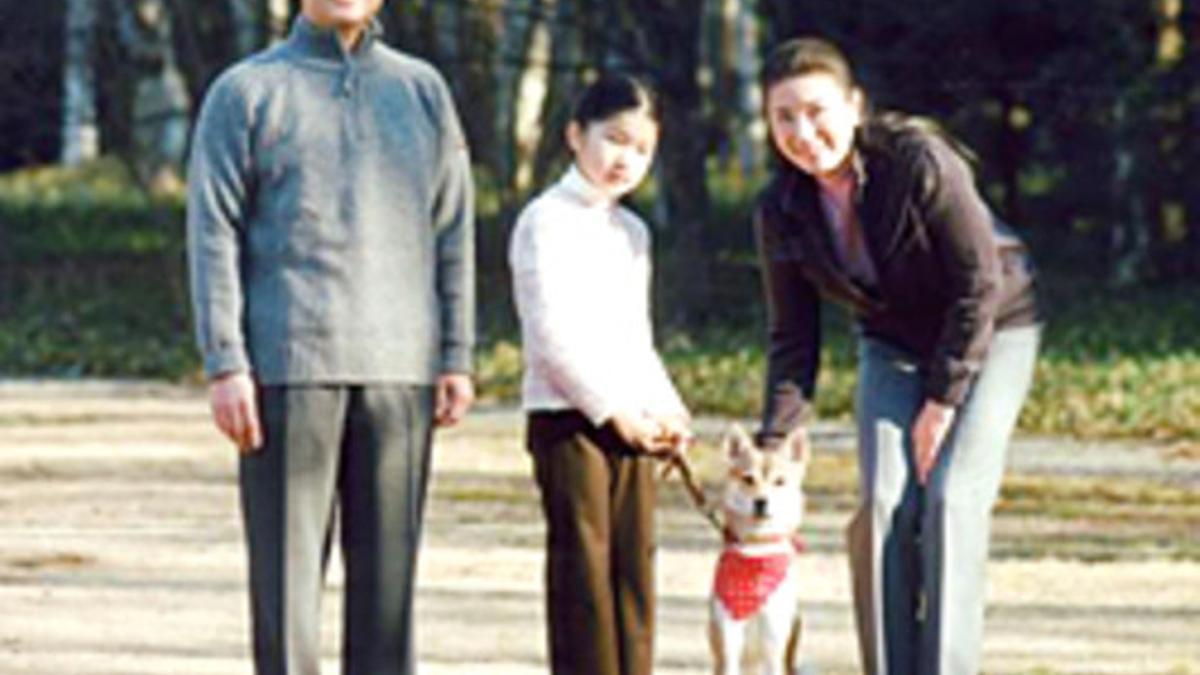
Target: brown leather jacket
x,y
949,272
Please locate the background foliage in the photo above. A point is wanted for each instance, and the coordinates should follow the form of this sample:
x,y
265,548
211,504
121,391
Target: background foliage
x,y
1084,117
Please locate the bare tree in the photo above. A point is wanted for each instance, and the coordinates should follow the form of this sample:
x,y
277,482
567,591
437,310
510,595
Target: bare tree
x,y
80,127
729,77
682,174
161,106
247,24
279,15
750,131
1130,232
259,22
522,74
567,27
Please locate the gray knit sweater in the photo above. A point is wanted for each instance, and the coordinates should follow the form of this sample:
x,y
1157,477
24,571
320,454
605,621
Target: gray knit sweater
x,y
330,217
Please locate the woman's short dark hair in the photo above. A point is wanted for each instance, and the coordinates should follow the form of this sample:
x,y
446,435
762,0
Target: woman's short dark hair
x,y
804,56
612,94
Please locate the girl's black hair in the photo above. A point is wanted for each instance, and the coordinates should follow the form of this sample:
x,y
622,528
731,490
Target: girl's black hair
x,y
612,94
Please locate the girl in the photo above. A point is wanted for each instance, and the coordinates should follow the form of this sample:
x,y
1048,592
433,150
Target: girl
x,y
600,404
880,213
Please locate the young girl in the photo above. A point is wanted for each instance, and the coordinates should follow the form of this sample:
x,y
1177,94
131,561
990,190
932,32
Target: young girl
x,y
600,404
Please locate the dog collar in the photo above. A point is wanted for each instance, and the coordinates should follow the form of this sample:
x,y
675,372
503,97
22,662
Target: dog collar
x,y
794,539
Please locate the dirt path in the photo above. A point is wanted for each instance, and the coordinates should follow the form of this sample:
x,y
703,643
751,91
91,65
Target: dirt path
x,y
121,553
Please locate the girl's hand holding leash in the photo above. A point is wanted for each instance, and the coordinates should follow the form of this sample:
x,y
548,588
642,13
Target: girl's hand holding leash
x,y
658,436
676,435
638,430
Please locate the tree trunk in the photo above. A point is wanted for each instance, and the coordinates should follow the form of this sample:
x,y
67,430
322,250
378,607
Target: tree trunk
x,y
567,38
161,105
1175,205
532,91
475,42
1130,240
1009,157
278,18
248,21
750,131
683,190
717,79
80,130
511,65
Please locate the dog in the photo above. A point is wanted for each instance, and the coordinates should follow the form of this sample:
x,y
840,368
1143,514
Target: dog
x,y
761,509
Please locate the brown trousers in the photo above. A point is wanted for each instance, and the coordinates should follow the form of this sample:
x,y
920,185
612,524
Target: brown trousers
x,y
598,498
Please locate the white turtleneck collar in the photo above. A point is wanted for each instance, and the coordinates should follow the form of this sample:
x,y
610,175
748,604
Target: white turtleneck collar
x,y
575,183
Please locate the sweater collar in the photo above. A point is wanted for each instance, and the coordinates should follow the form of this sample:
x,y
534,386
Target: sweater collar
x,y
579,187
323,44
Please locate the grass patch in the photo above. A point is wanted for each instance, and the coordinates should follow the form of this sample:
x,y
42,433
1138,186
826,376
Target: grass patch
x,y
1120,364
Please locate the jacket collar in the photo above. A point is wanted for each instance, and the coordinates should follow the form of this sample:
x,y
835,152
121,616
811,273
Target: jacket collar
x,y
798,203
322,44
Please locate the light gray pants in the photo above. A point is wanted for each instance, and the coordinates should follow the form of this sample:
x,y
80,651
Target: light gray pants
x,y
918,553
365,450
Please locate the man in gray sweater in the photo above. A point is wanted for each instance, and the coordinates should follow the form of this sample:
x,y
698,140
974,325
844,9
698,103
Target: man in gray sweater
x,y
330,242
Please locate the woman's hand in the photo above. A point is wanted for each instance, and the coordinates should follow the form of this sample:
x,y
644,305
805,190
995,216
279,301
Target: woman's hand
x,y
928,433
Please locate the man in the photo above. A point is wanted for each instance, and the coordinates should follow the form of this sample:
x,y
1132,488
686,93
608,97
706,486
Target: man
x,y
330,241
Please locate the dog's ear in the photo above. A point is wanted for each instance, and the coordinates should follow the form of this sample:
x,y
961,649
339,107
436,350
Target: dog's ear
x,y
797,445
736,445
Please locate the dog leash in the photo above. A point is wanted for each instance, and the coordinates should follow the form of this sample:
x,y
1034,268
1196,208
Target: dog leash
x,y
679,460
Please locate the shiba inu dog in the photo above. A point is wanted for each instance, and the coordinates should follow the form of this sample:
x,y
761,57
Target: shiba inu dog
x,y
761,508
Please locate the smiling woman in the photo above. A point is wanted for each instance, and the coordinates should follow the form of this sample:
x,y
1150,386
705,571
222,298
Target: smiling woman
x,y
813,120
880,213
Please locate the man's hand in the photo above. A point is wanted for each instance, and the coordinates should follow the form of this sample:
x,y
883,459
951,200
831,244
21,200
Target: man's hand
x,y
928,433
455,394
234,404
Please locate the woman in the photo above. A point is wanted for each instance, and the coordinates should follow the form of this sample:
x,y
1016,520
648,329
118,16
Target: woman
x,y
880,213
601,406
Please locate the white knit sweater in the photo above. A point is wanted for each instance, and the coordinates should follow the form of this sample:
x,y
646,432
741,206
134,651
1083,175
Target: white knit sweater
x,y
581,278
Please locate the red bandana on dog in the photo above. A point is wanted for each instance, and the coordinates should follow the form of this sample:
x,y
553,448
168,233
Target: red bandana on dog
x,y
745,582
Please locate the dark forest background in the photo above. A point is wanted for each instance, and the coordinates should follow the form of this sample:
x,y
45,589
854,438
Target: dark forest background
x,y
1085,116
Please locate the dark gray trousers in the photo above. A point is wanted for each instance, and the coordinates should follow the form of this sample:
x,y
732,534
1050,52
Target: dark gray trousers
x,y
365,451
